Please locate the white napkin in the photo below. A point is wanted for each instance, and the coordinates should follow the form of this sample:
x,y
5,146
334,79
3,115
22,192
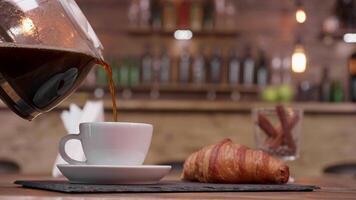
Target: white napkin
x,y
93,111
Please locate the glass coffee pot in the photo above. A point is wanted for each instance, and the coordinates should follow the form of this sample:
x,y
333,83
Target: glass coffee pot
x,y
47,47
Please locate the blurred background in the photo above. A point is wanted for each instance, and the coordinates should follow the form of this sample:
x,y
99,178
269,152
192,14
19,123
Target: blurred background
x,y
230,50
196,68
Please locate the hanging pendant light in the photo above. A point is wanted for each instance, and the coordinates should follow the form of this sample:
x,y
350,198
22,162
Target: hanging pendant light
x,y
300,14
299,58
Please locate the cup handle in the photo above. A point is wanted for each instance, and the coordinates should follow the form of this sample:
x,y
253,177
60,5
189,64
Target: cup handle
x,y
62,150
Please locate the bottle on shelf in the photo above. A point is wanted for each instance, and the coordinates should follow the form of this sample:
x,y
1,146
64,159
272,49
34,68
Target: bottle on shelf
x,y
169,16
276,70
215,66
307,91
325,86
196,16
134,71
286,76
345,11
145,14
352,76
219,14
123,73
156,15
230,15
183,14
133,14
199,68
337,92
184,66
156,68
248,68
234,68
165,75
208,19
262,72
146,66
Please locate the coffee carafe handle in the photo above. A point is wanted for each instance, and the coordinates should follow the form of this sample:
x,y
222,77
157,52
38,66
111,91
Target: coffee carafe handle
x,y
63,153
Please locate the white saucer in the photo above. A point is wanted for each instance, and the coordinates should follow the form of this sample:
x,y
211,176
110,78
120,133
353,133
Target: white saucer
x,y
114,174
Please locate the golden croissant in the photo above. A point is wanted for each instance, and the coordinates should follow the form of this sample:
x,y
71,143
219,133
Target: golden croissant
x,y
227,162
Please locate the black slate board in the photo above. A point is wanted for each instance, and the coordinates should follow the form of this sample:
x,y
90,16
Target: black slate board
x,y
164,186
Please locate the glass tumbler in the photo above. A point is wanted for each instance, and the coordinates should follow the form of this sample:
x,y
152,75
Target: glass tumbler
x,y
277,131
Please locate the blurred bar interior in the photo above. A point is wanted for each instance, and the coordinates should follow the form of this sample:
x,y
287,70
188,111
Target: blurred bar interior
x,y
196,68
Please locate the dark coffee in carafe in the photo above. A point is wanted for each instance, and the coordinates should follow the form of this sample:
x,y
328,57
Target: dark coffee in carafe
x,y
34,79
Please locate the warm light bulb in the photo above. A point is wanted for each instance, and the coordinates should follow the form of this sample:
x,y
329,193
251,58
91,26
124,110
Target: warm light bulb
x,y
299,60
300,16
183,34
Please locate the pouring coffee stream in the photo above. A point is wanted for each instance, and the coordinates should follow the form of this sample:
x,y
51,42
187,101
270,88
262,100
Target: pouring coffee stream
x,y
111,86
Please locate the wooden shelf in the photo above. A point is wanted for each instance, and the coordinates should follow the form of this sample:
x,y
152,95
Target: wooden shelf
x,y
185,88
149,32
199,106
148,105
183,92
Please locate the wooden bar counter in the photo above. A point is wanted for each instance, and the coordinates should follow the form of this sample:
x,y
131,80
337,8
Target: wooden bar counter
x,y
181,127
331,188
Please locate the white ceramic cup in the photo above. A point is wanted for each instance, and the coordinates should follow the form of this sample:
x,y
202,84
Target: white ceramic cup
x,y
110,143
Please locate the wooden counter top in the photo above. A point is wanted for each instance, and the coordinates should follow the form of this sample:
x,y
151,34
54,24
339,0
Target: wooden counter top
x,y
331,188
149,105
159,105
